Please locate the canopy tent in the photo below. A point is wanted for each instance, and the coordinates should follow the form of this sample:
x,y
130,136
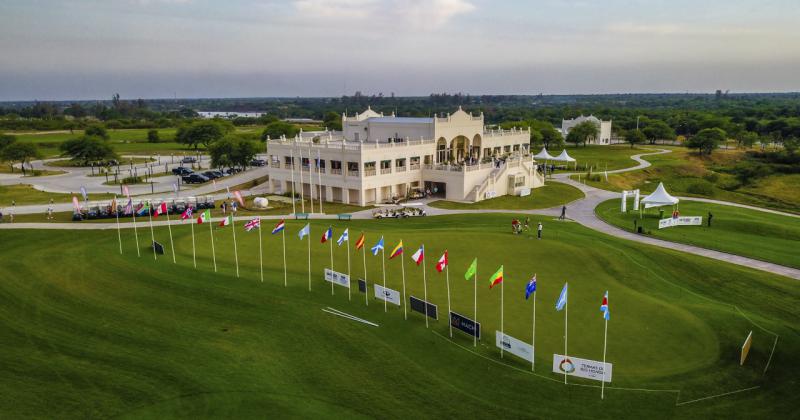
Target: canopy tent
x,y
543,155
564,157
659,197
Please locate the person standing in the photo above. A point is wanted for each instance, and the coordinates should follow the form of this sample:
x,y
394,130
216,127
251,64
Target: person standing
x,y
224,207
710,216
563,212
539,231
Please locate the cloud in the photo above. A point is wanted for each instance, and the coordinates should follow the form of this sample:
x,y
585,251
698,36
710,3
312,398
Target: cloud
x,y
414,13
669,29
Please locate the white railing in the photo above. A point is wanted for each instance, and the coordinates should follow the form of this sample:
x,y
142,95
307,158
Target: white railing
x,y
354,173
335,171
385,171
369,172
414,166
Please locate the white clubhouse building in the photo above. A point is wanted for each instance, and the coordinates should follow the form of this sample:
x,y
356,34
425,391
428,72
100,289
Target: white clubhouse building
x,y
604,128
377,157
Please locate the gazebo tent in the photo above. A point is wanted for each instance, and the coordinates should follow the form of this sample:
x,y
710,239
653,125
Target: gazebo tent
x,y
543,155
659,197
564,157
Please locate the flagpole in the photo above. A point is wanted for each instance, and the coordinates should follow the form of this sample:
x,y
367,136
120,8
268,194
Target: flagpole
x,y
502,331
152,235
294,211
171,243
310,178
405,306
533,334
475,296
425,287
366,282
194,252
302,188
383,265
348,266
260,253
119,233
135,231
283,237
447,277
605,341
319,185
235,251
213,253
566,311
309,246
330,240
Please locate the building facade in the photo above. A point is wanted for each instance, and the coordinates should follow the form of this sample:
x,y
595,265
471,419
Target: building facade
x,y
376,158
604,128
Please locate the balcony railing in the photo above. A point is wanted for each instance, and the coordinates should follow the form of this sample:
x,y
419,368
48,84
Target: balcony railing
x,y
369,172
385,171
355,173
336,171
400,168
414,166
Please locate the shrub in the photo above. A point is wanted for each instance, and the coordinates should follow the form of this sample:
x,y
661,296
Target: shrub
x,y
701,188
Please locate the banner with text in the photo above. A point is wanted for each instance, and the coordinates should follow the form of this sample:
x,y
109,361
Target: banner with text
x,y
582,368
516,347
680,221
460,322
336,277
389,295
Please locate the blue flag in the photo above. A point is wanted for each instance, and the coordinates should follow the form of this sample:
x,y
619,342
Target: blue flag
x,y
345,237
304,231
378,247
530,288
562,298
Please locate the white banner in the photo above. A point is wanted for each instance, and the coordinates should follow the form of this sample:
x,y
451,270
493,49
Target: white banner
x,y
516,347
336,277
582,368
387,294
490,194
624,203
680,221
524,192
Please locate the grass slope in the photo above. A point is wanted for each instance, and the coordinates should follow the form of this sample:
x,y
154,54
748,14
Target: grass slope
x,y
24,194
551,195
96,334
751,233
600,157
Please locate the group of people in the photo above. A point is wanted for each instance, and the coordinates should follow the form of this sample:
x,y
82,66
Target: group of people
x,y
233,206
518,227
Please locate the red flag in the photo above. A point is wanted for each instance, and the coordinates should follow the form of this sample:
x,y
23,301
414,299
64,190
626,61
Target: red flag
x,y
360,242
442,262
160,209
238,196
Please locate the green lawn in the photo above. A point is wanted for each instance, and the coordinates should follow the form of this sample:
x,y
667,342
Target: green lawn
x,y
92,333
25,194
600,158
751,233
551,195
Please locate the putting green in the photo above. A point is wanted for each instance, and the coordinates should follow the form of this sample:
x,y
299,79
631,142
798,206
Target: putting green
x,y
98,334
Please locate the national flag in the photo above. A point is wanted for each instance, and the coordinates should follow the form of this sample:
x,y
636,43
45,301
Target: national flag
x,y
114,204
562,298
143,208
279,227
76,203
126,191
419,255
160,209
360,242
397,250
238,196
442,263
345,237
378,247
604,307
226,221
471,270
255,223
531,287
496,278
129,207
327,235
187,214
84,193
205,217
175,187
304,231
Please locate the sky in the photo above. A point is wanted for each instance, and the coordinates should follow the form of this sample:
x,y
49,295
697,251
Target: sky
x,y
91,49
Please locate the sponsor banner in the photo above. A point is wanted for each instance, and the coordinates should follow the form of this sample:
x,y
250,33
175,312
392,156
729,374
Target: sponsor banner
x,y
516,347
362,285
524,192
387,294
680,221
336,277
419,306
490,194
582,368
746,348
460,322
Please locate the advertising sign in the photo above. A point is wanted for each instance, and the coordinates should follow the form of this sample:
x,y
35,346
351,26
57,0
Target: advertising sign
x,y
516,347
582,368
681,221
419,306
362,285
524,192
460,322
389,295
746,348
336,277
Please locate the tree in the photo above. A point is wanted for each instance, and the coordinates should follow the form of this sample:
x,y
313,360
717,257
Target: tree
x,y
203,132
5,140
152,136
746,139
634,137
658,130
279,128
96,130
88,149
791,145
21,152
583,133
332,120
706,140
232,151
551,137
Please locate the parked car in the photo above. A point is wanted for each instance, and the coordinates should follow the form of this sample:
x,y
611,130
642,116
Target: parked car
x,y
188,159
180,170
258,162
211,174
231,171
195,179
178,206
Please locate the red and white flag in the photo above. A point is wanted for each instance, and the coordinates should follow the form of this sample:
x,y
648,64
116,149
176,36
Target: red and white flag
x,y
255,223
238,196
442,263
160,209
419,255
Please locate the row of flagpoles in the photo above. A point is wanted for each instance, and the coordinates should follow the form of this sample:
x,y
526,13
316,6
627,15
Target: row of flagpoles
x,y
442,265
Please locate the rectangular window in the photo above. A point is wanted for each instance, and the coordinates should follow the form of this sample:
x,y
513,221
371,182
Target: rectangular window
x,y
386,167
369,168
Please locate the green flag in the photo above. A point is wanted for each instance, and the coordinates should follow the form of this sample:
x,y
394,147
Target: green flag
x,y
473,268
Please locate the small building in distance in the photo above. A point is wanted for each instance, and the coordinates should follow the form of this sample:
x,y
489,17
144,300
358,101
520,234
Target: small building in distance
x,y
604,127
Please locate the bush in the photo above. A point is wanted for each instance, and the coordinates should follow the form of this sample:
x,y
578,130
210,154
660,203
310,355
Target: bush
x,y
712,177
701,188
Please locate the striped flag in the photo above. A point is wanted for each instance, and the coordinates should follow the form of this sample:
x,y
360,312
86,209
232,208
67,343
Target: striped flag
x,y
397,250
345,237
160,209
360,242
327,235
419,255
226,221
496,278
129,207
279,227
205,217
604,307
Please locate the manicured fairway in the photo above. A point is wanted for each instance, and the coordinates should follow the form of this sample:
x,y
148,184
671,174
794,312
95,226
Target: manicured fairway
x,y
600,158
25,194
551,195
751,233
91,333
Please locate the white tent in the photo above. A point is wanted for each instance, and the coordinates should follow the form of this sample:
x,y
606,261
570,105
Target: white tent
x,y
564,157
659,197
543,155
